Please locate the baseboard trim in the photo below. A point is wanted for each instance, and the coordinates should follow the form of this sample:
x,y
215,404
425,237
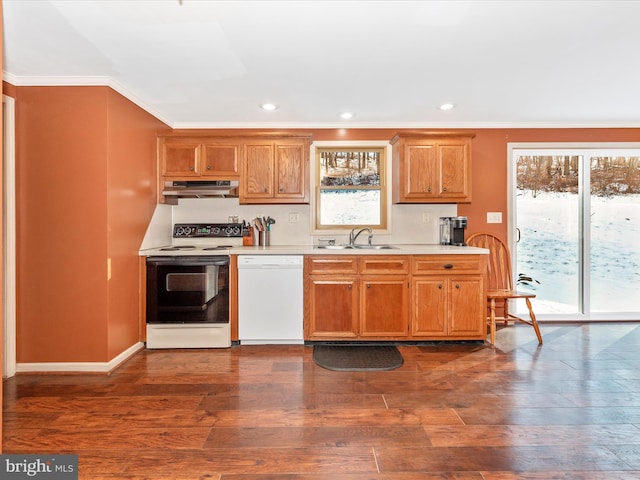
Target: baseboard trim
x,y
79,367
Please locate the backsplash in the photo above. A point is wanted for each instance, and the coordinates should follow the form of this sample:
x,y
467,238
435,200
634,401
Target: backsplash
x,y
409,224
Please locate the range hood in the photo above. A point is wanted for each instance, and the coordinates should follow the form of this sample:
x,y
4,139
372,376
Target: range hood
x,y
201,189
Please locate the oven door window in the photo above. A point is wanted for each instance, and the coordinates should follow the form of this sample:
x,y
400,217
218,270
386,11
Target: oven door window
x,y
190,293
195,288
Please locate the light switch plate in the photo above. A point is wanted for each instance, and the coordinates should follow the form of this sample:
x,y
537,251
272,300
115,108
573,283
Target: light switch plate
x,y
494,217
294,217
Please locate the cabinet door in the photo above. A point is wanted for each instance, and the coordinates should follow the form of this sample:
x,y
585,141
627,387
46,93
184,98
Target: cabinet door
x,y
221,160
291,172
429,302
332,307
454,176
384,306
420,172
467,308
257,171
180,159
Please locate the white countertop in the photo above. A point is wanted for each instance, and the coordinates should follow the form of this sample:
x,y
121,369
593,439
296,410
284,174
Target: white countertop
x,y
400,249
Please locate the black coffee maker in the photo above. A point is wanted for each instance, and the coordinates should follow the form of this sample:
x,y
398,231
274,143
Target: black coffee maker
x,y
452,230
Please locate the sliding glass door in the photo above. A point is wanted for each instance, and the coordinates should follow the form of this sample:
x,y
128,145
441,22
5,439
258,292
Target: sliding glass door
x,y
575,229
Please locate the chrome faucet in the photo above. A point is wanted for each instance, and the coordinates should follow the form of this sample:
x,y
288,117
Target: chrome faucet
x,y
354,236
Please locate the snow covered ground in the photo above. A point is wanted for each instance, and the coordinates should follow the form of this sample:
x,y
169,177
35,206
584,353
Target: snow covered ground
x,y
549,251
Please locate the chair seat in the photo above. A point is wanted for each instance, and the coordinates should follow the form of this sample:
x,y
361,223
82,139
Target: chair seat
x,y
509,294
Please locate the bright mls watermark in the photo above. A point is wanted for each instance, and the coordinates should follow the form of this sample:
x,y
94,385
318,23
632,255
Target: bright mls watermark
x,y
44,466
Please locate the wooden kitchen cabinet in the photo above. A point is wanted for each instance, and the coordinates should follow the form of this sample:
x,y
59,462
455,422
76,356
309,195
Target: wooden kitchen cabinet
x,y
191,158
432,168
330,297
448,297
351,297
275,171
384,306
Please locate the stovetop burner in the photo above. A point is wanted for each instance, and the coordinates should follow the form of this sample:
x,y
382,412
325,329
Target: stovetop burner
x,y
178,247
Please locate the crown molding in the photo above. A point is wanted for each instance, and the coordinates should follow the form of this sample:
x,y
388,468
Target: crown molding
x,y
400,125
84,81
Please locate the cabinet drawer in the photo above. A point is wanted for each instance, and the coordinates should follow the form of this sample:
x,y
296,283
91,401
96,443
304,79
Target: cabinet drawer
x,y
387,264
324,264
428,264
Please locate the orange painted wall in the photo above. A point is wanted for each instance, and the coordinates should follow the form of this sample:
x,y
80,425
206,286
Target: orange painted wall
x,y
61,236
84,160
131,198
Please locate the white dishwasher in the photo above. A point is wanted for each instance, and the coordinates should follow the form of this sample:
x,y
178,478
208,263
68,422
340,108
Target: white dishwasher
x,y
270,309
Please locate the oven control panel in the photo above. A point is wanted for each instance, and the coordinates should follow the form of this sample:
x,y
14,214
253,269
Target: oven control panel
x,y
216,230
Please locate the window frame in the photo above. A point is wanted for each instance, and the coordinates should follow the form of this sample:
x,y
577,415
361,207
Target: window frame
x,y
385,184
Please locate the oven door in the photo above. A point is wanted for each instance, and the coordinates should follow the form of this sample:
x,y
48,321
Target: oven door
x,y
188,289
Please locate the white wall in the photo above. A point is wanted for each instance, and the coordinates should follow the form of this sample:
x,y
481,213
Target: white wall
x,y
408,223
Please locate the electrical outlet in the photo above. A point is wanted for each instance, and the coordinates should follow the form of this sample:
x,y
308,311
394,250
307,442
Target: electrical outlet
x,y
426,217
294,217
494,217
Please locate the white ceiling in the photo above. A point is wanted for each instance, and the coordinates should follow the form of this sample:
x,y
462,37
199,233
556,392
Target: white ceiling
x,y
210,64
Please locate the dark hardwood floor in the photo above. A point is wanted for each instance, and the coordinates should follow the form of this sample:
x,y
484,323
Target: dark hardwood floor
x,y
569,409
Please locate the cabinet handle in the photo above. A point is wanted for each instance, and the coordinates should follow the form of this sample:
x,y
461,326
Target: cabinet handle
x,y
444,189
368,286
429,189
265,189
448,266
457,286
440,286
208,167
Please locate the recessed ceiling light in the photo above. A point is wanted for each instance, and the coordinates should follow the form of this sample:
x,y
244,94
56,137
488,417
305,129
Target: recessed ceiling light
x,y
269,107
446,106
346,115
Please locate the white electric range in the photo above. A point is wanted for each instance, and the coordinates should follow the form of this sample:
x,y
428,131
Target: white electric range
x,y
188,288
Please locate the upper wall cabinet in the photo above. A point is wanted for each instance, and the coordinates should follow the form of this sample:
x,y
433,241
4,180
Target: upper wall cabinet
x,y
213,158
275,170
432,168
270,168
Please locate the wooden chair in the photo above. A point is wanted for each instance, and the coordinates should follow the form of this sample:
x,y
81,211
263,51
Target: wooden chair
x,y
500,283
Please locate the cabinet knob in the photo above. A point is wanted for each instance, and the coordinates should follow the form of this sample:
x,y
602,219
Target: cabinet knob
x,y
208,167
192,168
448,266
266,189
349,287
457,286
444,189
440,286
368,286
429,189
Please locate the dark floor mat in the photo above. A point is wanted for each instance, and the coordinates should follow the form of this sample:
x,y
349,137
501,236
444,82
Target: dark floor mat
x,y
356,358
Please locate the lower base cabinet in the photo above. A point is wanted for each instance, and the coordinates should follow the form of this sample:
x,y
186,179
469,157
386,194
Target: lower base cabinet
x,y
448,308
384,306
333,308
394,297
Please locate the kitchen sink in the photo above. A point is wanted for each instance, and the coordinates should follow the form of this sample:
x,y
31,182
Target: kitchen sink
x,y
355,247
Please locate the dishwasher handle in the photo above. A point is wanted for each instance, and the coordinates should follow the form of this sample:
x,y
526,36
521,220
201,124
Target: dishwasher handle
x,y
270,261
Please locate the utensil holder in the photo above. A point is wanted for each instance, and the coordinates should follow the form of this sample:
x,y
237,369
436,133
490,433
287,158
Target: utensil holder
x,y
265,238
